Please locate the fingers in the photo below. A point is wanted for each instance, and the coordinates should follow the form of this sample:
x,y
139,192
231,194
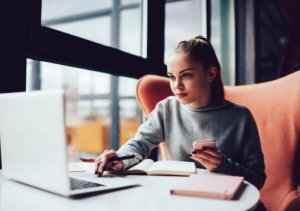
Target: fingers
x,y
102,162
88,160
209,158
212,151
99,167
206,163
115,165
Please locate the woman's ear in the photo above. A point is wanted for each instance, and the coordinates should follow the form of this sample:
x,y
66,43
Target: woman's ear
x,y
211,74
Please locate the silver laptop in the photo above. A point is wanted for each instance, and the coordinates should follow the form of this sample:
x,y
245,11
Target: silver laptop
x,y
34,147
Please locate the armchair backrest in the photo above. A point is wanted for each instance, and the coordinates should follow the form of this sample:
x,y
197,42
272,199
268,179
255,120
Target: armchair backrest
x,y
275,106
150,90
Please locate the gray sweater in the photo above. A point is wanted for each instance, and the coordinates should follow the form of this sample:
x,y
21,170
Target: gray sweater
x,y
231,126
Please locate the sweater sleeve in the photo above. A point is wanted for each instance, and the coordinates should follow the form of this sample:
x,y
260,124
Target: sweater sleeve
x,y
251,163
148,136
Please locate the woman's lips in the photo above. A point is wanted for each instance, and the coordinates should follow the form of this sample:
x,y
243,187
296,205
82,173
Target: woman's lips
x,y
181,95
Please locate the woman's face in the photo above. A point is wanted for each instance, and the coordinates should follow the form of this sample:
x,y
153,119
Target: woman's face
x,y
189,82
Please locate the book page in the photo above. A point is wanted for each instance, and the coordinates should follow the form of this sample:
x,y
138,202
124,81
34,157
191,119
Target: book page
x,y
172,167
141,168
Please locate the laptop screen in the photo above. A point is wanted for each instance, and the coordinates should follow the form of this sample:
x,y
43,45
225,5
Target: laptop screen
x,y
33,141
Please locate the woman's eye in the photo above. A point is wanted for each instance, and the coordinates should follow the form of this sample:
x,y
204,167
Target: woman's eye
x,y
187,75
171,77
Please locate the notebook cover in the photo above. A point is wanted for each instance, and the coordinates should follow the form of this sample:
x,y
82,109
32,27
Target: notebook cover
x,y
209,185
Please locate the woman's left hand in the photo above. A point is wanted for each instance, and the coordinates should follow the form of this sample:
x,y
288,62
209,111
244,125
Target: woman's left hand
x,y
210,158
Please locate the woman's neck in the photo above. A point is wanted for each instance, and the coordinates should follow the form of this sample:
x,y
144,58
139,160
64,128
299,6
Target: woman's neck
x,y
202,103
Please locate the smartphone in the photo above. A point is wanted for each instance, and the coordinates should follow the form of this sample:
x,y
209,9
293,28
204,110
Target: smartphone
x,y
198,145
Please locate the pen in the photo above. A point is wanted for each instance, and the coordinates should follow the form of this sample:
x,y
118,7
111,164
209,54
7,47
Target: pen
x,y
121,158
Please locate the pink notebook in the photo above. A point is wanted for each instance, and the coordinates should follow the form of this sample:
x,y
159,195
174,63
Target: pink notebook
x,y
209,185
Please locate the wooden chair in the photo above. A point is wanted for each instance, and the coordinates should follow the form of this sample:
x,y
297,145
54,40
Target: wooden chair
x,y
275,106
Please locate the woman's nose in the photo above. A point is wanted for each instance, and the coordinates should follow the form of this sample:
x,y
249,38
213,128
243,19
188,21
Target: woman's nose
x,y
178,84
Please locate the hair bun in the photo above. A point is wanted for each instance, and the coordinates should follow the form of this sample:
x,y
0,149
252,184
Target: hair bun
x,y
199,37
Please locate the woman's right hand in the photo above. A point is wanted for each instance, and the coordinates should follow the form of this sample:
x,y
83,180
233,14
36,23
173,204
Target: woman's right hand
x,y
102,162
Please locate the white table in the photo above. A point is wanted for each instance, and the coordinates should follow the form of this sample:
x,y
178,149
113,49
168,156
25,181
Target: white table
x,y
152,195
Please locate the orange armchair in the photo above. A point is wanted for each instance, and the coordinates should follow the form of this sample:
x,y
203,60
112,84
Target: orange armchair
x,y
275,106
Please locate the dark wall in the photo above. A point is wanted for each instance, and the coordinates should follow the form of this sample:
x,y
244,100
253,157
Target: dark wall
x,y
14,35
276,40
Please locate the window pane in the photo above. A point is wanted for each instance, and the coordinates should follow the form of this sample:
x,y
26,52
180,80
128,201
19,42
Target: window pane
x,y
223,37
130,32
130,113
91,83
54,9
100,83
127,86
90,20
80,84
181,25
94,29
88,103
126,2
129,119
29,82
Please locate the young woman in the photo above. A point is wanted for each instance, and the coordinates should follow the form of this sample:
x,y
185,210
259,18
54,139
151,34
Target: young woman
x,y
198,111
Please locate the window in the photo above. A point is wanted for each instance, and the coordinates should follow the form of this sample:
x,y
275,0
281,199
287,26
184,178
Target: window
x,y
96,102
223,37
130,31
89,20
96,20
182,25
89,105
126,2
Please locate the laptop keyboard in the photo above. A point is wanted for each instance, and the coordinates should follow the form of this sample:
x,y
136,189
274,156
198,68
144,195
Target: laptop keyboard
x,y
81,184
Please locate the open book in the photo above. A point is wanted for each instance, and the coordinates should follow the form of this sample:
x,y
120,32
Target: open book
x,y
163,167
216,186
